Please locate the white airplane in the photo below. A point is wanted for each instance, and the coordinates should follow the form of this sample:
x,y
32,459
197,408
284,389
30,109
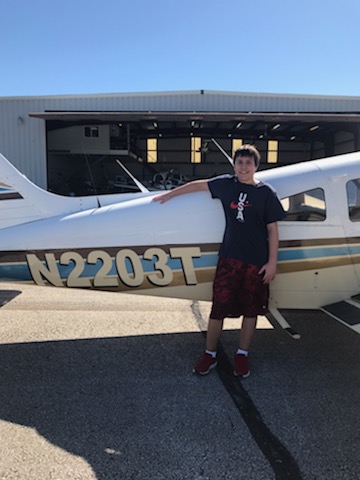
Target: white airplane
x,y
129,243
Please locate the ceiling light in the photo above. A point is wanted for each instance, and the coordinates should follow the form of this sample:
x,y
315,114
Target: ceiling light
x,y
238,125
315,127
293,137
155,124
275,127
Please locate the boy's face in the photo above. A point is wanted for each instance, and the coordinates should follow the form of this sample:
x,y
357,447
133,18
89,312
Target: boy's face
x,y
245,168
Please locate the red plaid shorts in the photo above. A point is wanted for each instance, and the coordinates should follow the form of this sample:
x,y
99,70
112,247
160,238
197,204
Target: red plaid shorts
x,y
238,289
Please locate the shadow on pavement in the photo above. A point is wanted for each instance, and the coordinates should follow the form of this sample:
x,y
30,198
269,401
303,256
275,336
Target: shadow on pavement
x,y
129,406
7,295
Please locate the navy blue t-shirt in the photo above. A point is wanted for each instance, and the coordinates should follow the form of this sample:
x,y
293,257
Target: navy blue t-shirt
x,y
248,209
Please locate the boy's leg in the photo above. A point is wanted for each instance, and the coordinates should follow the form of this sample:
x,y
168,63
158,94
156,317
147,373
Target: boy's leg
x,y
207,360
247,332
241,362
215,329
213,334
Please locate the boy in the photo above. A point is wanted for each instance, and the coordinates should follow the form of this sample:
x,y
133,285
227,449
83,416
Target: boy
x,y
247,257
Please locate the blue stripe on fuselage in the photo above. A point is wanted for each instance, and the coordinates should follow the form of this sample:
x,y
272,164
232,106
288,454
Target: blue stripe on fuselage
x,y
312,253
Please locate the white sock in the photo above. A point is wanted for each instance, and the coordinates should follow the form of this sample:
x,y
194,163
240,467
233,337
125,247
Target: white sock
x,y
242,352
213,354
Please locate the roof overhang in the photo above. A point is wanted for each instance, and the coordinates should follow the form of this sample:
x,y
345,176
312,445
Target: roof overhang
x,y
127,116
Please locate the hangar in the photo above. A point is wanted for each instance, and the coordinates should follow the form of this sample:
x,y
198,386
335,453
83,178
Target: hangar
x,y
69,144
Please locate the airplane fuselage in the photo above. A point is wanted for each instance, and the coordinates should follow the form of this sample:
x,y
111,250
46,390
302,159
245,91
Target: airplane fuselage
x,y
171,249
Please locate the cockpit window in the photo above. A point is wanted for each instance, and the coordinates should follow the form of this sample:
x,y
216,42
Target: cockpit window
x,y
306,206
353,199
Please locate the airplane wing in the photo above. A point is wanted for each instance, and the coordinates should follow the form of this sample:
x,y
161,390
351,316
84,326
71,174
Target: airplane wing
x,y
21,201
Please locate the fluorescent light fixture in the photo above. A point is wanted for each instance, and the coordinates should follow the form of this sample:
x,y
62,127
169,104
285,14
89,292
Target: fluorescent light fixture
x,y
155,124
238,125
275,127
315,127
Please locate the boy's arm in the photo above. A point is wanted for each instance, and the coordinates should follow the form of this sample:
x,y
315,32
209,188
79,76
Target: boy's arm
x,y
269,268
195,186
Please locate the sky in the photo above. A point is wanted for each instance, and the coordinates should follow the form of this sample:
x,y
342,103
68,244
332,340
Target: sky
x,y
123,46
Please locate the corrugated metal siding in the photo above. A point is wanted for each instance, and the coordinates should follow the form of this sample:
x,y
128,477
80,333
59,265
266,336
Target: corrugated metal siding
x,y
23,139
24,144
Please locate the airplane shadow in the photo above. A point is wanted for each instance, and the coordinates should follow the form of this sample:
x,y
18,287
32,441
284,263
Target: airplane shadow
x,y
8,295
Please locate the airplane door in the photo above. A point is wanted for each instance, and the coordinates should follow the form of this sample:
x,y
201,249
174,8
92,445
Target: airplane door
x,y
315,262
352,223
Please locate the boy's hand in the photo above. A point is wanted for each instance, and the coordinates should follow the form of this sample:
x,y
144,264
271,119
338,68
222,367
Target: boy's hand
x,y
269,272
162,198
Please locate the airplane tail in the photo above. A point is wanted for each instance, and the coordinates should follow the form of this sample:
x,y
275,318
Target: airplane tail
x,y
21,201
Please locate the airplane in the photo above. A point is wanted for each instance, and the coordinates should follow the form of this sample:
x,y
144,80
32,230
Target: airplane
x,y
128,243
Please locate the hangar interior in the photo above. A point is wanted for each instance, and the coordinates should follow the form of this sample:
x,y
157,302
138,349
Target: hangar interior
x,y
165,149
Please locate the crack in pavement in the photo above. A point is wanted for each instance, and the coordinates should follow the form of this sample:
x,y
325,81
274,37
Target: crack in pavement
x,y
280,459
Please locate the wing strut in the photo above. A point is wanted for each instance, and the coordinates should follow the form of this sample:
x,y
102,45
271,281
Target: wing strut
x,y
284,324
222,151
140,186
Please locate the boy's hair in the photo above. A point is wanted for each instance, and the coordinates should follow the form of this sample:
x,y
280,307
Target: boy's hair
x,y
248,150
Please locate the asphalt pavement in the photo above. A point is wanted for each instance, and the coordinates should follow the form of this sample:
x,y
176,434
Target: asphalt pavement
x,y
98,385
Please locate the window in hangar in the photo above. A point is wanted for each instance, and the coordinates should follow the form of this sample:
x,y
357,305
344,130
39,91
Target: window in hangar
x,y
151,150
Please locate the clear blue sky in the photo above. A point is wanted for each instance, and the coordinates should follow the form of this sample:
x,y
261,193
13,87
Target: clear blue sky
x,y
50,47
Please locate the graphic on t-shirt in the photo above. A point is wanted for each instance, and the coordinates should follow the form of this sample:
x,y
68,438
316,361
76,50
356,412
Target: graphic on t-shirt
x,y
240,206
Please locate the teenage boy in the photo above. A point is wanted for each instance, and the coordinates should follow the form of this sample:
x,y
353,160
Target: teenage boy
x,y
247,257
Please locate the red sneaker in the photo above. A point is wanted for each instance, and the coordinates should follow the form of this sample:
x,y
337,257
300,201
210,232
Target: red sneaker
x,y
241,366
205,363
